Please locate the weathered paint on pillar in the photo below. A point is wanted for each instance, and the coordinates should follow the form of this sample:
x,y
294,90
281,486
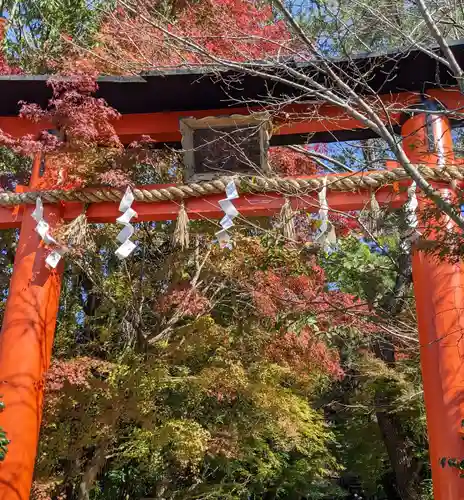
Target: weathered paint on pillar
x,y
25,351
439,292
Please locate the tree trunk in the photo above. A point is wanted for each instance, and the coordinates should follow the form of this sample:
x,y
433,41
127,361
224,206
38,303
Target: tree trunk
x,y
405,467
399,448
92,471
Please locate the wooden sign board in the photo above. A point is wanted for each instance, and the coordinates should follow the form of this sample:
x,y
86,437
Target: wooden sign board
x,y
225,145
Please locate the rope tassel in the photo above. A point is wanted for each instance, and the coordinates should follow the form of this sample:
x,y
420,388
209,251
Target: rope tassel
x,y
326,236
181,236
76,235
375,214
371,217
286,220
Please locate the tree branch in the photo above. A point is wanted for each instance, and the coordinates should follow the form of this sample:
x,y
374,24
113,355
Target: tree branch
x,y
440,39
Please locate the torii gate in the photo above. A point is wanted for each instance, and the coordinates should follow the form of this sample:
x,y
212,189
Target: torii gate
x,y
30,315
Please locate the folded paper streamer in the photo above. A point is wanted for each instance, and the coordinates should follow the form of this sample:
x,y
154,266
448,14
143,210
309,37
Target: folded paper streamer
x,y
411,233
44,232
127,246
231,212
411,219
326,235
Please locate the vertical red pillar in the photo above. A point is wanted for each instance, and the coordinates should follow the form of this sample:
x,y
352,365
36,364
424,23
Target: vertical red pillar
x,y
25,350
439,292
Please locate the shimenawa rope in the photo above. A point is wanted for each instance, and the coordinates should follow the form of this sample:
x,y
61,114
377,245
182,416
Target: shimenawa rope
x,y
286,186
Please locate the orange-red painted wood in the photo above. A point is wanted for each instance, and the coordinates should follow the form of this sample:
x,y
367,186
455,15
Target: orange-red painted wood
x,y
25,351
439,292
290,119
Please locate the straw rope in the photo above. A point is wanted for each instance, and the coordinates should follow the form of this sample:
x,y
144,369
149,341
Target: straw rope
x,y
286,186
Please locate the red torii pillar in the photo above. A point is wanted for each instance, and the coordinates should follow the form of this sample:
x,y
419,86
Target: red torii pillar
x,y
439,292
26,342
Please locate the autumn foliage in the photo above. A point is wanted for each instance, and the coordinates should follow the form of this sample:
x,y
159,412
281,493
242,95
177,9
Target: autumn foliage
x,y
237,30
302,352
290,163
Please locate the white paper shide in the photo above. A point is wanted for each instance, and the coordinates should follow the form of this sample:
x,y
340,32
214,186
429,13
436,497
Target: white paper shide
x,y
43,229
231,212
411,220
127,246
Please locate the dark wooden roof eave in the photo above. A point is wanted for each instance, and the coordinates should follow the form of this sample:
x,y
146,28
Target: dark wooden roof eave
x,y
212,87
199,88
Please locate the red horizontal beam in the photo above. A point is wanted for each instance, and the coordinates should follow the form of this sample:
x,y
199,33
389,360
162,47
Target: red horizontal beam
x,y
164,127
10,217
291,119
452,98
19,127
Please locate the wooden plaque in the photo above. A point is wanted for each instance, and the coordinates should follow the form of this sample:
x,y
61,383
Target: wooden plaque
x,y
217,146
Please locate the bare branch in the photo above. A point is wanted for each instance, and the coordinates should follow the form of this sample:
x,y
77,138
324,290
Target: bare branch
x,y
440,39
315,154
